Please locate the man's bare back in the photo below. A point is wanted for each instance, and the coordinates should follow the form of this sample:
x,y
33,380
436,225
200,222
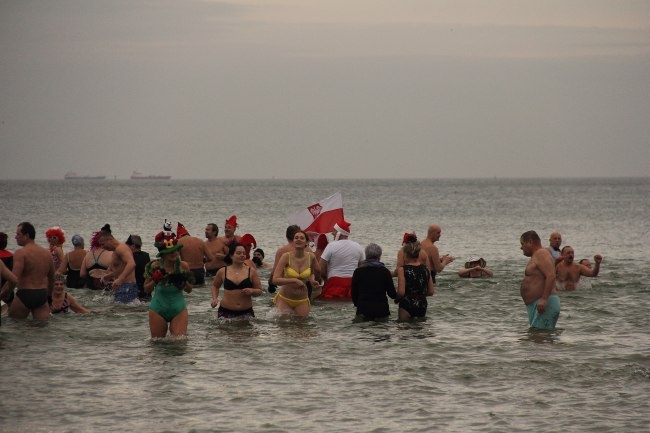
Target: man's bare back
x,y
121,257
33,266
193,251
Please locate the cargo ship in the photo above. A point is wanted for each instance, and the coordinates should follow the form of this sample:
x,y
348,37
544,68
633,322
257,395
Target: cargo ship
x,y
71,175
139,176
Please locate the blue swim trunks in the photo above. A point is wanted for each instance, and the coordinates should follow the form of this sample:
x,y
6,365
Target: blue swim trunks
x,y
550,316
127,292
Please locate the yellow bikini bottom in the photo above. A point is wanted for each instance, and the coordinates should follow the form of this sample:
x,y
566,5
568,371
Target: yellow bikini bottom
x,y
293,303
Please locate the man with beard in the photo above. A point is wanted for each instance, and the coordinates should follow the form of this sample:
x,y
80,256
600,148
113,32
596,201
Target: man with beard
x,y
538,286
568,272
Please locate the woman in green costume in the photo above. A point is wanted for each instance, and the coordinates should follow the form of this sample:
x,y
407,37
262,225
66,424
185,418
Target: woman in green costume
x,y
168,277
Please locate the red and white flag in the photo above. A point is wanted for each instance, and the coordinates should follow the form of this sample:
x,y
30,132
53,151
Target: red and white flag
x,y
321,216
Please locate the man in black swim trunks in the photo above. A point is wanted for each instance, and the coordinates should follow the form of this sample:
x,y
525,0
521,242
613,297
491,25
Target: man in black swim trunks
x,y
34,270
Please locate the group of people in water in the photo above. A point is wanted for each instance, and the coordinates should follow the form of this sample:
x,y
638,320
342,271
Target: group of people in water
x,y
310,266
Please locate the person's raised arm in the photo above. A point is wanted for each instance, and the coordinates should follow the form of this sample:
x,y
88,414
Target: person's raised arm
x,y
595,270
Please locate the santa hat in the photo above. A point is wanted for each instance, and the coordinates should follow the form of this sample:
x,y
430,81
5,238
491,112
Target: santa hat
x,y
232,222
181,230
343,227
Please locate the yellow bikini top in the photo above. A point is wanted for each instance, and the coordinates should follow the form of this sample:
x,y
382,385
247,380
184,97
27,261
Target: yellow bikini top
x,y
290,272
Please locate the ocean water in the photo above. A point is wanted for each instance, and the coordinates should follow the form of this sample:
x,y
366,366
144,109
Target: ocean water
x,y
471,366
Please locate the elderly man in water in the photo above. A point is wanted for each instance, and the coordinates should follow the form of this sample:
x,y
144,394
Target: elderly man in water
x,y
568,272
538,286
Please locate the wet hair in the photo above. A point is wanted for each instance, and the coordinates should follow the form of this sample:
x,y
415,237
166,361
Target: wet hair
x,y
565,247
231,251
373,252
215,228
530,235
3,240
291,231
28,229
412,250
259,250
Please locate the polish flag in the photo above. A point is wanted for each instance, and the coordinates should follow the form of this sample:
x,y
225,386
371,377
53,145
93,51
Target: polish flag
x,y
321,216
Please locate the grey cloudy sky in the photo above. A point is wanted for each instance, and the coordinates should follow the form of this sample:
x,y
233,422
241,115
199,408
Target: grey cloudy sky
x,y
324,88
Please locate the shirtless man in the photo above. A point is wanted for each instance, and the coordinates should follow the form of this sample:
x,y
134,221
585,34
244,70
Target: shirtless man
x,y
436,263
34,271
229,228
538,286
216,247
194,253
568,272
122,268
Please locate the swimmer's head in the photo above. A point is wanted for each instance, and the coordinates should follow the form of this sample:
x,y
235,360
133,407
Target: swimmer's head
x,y
555,240
373,252
77,240
409,237
568,254
412,250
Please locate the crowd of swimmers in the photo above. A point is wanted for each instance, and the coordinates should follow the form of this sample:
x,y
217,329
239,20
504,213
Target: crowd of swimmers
x,y
310,266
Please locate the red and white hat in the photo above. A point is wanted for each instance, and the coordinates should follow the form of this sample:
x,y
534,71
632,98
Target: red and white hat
x,y
343,227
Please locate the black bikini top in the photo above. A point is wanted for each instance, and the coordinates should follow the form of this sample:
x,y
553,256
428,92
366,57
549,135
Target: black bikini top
x,y
229,285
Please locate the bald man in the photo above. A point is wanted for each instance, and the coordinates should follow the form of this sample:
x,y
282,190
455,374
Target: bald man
x,y
436,263
554,242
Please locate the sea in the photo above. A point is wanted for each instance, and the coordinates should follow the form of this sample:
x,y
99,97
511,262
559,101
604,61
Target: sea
x,y
472,366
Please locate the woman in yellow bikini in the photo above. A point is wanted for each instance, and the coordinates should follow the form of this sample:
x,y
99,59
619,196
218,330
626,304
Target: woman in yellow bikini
x,y
294,272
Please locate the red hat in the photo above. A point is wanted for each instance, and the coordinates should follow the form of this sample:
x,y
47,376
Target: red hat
x,y
248,241
232,221
409,237
342,227
181,230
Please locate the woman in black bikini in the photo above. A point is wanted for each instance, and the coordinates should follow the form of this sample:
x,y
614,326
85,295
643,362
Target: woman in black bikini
x,y
240,284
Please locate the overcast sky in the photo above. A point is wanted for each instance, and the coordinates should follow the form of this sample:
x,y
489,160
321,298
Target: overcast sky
x,y
324,88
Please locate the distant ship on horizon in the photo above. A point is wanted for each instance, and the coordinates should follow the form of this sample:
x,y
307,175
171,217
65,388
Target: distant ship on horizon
x,y
74,176
137,175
